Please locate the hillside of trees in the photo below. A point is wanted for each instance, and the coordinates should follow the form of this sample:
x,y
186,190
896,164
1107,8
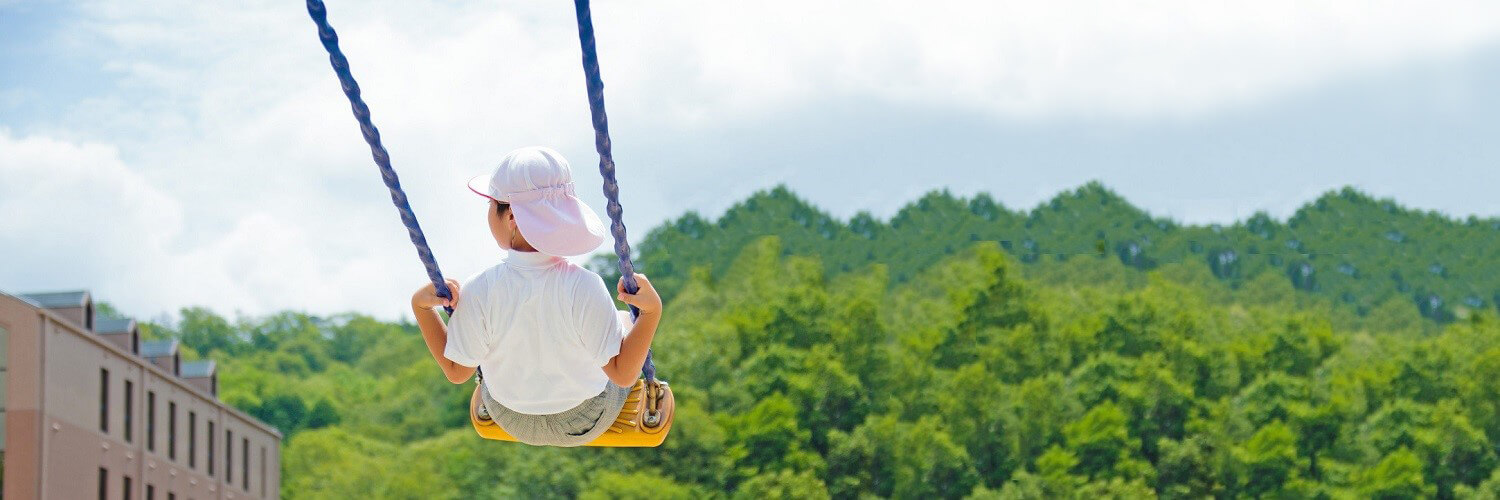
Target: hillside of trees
x,y
1345,247
962,350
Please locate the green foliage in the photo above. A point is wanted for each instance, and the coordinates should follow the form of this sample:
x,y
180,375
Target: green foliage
x,y
638,486
1270,460
1082,349
1191,468
1373,259
1488,490
783,484
1100,440
768,437
1398,475
888,457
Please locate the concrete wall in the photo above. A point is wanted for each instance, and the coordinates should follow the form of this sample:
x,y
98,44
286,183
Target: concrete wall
x,y
23,422
4,339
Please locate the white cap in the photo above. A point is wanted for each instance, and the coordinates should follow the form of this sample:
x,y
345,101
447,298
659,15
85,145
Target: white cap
x,y
538,184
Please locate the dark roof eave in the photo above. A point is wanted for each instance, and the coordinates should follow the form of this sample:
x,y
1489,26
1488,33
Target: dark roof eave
x,y
58,300
158,348
114,326
198,369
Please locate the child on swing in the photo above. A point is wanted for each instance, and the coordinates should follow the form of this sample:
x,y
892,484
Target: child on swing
x,y
555,359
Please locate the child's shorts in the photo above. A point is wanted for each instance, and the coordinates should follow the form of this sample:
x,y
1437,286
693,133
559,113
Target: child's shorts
x,y
572,427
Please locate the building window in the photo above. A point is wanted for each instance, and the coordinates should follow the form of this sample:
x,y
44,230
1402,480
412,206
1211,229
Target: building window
x,y
211,448
104,400
171,496
150,492
103,484
129,409
262,471
192,440
171,430
228,456
126,496
150,422
245,463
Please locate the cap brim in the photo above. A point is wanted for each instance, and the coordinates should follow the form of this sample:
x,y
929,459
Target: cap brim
x,y
563,226
480,185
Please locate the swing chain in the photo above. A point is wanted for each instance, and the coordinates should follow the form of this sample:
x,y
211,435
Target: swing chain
x,y
330,40
603,146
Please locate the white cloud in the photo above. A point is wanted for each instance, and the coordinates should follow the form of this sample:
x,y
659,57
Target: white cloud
x,y
1031,59
222,166
75,216
79,201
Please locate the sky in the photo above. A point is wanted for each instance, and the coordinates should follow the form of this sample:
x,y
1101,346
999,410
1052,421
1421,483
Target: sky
x,y
166,153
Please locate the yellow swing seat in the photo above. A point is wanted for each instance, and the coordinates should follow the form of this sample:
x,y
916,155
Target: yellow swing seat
x,y
643,422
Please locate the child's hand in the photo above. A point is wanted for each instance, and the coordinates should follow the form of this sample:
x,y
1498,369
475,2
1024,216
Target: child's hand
x,y
644,299
427,298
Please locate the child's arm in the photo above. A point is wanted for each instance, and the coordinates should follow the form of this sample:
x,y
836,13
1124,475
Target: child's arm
x,y
626,366
423,305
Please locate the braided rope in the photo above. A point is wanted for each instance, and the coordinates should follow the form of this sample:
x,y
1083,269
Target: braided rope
x,y
330,39
606,160
326,34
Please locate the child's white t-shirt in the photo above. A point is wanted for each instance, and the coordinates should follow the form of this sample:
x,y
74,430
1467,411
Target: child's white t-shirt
x,y
541,329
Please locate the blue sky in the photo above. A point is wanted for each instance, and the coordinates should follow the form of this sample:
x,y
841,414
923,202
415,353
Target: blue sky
x,y
170,152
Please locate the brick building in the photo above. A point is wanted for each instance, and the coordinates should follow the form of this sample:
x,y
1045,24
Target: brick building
x,y
91,411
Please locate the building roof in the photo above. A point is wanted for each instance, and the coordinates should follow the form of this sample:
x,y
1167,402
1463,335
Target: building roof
x,y
195,369
58,300
106,326
158,348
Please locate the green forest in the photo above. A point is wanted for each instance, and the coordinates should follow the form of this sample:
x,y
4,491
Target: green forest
x,y
961,349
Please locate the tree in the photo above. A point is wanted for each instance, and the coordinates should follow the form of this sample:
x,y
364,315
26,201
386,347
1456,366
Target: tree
x,y
783,484
611,485
1270,398
322,415
1054,479
1269,459
1481,394
1453,450
978,408
1159,405
1398,475
1397,425
768,438
888,457
1115,489
284,411
960,348
207,332
1100,440
1487,490
1317,430
1189,468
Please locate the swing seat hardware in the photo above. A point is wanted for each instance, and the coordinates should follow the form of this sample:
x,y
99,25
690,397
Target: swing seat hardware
x,y
656,391
644,421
